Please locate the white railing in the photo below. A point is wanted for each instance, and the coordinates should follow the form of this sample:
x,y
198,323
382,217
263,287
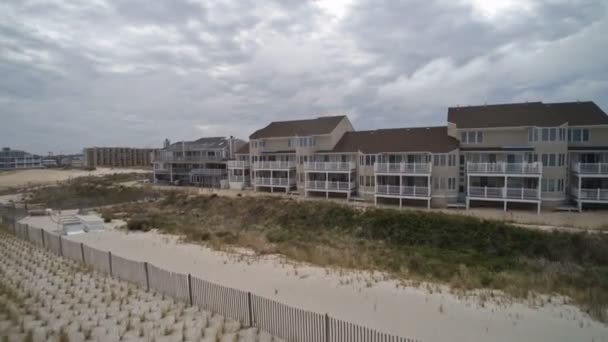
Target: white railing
x,y
412,168
506,193
169,158
405,191
274,165
591,194
238,179
506,168
238,164
274,181
329,166
208,172
592,168
323,185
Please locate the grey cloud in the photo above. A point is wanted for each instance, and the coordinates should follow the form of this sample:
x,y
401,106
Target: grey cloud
x,y
117,72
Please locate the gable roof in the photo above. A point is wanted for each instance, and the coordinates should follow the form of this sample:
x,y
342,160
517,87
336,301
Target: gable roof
x,y
243,149
321,125
395,140
527,114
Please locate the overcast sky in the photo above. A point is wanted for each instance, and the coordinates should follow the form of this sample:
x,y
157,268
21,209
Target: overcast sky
x,y
132,72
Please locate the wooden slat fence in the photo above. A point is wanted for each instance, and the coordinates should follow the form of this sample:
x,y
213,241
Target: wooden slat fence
x,y
280,320
129,270
287,322
71,250
97,259
52,242
35,236
172,284
223,300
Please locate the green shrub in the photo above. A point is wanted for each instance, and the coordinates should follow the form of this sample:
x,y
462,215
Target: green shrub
x,y
139,223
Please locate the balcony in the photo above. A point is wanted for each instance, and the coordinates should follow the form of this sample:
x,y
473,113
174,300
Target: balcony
x,y
504,193
238,164
591,169
404,168
329,186
590,194
238,179
532,169
186,159
208,172
403,191
266,181
329,166
274,165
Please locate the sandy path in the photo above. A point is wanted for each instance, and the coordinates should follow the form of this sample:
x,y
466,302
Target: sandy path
x,y
411,312
49,176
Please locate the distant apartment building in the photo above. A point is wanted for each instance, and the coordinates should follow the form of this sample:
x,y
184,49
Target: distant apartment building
x,y
200,162
17,159
117,157
533,154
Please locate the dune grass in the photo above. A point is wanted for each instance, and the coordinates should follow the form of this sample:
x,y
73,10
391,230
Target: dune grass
x,y
463,252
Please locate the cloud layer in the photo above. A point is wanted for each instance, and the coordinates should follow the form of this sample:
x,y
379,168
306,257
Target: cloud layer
x,y
77,73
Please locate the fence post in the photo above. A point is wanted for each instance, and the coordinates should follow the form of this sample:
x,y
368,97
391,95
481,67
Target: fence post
x,y
82,252
250,309
27,232
110,262
190,288
61,245
326,328
42,235
147,276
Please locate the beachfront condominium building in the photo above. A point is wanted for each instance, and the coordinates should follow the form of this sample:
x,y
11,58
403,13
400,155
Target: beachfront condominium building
x,y
279,151
17,159
200,162
117,157
541,153
525,154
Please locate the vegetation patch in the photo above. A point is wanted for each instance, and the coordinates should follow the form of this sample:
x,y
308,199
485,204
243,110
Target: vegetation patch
x,y
464,252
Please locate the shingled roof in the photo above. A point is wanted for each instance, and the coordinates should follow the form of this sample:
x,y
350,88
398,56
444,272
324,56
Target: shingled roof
x,y
527,114
208,142
395,140
318,126
243,150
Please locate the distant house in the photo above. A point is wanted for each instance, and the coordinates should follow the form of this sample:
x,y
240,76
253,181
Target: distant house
x,y
17,159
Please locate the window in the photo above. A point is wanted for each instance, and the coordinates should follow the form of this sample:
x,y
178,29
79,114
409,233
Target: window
x,y
479,137
552,161
545,134
463,137
452,183
435,183
578,135
442,183
368,160
442,159
562,134
553,134
451,160
361,181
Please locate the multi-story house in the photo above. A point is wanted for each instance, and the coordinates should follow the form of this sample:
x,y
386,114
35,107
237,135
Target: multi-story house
x,y
278,152
201,162
389,165
17,159
513,155
531,153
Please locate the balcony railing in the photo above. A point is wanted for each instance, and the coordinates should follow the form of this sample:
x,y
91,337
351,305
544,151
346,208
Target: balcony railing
x,y
592,168
329,186
208,172
504,193
329,166
274,165
273,181
238,179
404,191
242,164
591,194
403,168
169,158
506,168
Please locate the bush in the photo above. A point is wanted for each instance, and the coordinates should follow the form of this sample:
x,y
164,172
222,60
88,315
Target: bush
x,y
139,223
